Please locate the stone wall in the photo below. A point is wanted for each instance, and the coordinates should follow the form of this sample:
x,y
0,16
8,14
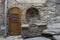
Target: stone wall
x,y
48,10
1,12
24,6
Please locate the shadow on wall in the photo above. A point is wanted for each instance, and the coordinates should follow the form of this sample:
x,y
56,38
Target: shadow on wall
x,y
32,14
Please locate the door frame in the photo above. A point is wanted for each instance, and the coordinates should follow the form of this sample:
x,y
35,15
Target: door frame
x,y
8,16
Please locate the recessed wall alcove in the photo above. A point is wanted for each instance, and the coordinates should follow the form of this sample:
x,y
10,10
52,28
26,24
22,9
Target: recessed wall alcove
x,y
32,13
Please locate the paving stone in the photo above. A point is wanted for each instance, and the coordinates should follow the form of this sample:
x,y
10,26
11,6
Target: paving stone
x,y
2,32
1,38
14,38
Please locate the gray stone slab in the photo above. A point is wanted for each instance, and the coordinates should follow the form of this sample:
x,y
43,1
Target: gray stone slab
x,y
38,38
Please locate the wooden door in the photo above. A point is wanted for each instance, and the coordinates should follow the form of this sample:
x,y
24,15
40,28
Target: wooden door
x,y
14,21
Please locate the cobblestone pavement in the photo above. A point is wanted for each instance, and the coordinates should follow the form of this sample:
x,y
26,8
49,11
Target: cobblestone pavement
x,y
14,38
57,37
11,38
1,38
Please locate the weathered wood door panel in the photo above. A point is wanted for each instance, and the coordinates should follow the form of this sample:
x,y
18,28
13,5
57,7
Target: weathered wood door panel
x,y
14,21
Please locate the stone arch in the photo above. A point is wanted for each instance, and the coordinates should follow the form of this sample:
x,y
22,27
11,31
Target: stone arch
x,y
32,12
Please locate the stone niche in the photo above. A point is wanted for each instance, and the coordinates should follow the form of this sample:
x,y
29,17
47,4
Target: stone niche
x,y
32,14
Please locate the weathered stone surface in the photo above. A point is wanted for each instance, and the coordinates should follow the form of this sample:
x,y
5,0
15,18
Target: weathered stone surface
x,y
58,1
47,9
46,12
1,12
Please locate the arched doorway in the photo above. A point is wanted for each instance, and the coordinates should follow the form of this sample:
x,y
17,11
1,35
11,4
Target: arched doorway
x,y
14,21
32,13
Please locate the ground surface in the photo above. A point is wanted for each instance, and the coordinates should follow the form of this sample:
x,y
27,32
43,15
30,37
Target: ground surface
x,y
12,38
35,38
